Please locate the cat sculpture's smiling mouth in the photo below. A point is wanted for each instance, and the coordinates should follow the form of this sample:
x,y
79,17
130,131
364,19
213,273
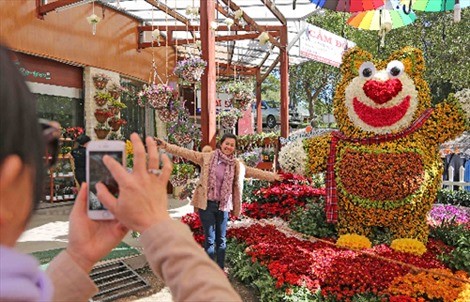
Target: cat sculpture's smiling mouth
x,y
381,117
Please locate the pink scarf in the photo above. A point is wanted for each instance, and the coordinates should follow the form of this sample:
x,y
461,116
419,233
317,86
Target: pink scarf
x,y
227,184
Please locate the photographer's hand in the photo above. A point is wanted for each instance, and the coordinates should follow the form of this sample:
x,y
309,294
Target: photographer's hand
x,y
91,240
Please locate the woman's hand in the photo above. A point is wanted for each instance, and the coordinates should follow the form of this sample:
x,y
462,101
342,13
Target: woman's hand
x,y
91,240
278,177
160,143
143,199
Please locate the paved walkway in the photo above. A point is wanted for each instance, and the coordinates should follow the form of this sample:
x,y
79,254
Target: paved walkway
x,y
48,227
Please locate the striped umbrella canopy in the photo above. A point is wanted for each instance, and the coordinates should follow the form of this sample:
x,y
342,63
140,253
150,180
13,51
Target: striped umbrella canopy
x,y
435,5
349,6
375,19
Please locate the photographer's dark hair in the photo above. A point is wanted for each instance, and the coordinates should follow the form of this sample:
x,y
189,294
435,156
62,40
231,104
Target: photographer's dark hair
x,y
228,135
20,132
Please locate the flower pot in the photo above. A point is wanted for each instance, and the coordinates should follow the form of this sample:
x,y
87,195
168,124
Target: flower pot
x,y
115,94
101,133
100,84
114,125
101,117
100,101
114,110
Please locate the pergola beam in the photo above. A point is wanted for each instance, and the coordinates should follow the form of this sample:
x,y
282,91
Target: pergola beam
x,y
272,7
220,28
169,11
46,8
248,36
233,6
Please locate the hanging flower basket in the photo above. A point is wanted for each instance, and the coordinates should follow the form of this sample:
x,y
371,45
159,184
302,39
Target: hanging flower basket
x,y
167,115
156,95
242,100
101,133
102,115
115,123
182,138
242,94
229,118
100,80
190,69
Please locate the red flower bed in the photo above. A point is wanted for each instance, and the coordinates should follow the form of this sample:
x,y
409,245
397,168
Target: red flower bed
x,y
338,272
282,198
194,223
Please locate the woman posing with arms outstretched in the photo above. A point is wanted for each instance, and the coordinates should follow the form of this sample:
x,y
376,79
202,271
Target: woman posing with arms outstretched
x,y
219,190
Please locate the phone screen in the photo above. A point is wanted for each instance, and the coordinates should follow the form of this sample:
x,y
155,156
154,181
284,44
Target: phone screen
x,y
99,173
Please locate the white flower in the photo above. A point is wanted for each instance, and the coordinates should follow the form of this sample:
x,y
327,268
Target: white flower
x,y
238,14
263,38
192,11
156,34
293,158
93,19
229,22
214,25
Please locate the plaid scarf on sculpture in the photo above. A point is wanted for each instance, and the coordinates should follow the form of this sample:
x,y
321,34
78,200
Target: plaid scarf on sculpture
x,y
331,204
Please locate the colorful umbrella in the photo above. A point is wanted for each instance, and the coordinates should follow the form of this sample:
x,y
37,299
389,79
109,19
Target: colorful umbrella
x,y
375,19
436,6
385,19
349,6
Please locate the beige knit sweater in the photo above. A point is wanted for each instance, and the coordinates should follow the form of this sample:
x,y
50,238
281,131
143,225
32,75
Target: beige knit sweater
x,y
203,159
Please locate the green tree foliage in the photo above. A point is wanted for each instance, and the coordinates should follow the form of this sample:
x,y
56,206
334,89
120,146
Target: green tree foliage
x,y
270,90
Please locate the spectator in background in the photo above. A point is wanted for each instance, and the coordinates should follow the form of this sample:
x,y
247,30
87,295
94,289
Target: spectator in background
x,y
79,158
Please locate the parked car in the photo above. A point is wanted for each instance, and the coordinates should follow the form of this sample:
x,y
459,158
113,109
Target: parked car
x,y
271,116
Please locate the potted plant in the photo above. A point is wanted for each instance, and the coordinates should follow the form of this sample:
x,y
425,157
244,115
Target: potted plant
x,y
229,118
242,94
115,106
268,154
251,158
181,173
100,80
101,130
116,90
102,115
102,98
190,69
116,122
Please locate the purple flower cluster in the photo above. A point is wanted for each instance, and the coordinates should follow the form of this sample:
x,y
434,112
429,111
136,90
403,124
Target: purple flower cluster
x,y
190,64
440,212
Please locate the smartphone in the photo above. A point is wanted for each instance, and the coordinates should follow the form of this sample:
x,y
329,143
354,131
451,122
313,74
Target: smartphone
x,y
96,172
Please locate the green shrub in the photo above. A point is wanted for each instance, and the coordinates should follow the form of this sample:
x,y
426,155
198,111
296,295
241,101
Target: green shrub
x,y
457,236
459,258
312,220
460,197
381,235
250,187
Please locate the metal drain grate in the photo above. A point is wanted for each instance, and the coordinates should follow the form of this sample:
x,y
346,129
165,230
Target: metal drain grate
x,y
116,280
